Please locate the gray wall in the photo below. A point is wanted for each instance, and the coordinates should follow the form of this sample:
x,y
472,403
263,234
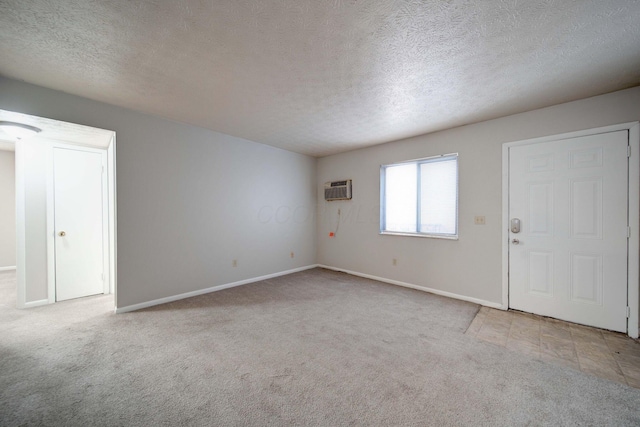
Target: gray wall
x,y
189,200
472,265
7,209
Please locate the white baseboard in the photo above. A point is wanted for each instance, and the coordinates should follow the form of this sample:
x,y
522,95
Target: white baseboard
x,y
38,303
8,268
173,298
419,288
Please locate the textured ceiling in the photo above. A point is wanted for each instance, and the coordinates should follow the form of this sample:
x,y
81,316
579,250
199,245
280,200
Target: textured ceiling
x,y
321,77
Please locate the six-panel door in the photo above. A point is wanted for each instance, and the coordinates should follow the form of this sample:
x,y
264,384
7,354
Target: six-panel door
x,y
569,261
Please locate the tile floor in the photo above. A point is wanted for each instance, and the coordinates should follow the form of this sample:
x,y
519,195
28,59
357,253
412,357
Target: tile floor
x,y
605,354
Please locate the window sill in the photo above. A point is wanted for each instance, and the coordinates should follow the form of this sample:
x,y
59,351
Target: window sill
x,y
432,236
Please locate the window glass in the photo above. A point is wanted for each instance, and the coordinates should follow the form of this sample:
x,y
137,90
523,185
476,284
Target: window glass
x,y
420,197
438,197
401,185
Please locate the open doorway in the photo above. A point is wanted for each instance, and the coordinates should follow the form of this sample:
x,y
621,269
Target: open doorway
x,y
8,289
45,183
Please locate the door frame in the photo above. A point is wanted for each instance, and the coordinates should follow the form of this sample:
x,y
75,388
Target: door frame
x,y
633,211
51,248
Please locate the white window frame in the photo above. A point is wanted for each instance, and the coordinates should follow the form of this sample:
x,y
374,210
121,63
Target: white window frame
x,y
423,160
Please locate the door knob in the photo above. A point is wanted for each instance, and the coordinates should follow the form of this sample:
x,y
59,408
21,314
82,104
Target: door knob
x,y
515,241
62,234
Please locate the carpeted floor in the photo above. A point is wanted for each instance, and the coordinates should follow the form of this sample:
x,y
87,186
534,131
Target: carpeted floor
x,y
316,348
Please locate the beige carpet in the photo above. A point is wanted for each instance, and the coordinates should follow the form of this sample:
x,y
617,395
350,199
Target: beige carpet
x,y
316,348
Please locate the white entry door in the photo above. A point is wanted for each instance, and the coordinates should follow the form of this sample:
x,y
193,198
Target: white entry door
x,y
78,219
569,260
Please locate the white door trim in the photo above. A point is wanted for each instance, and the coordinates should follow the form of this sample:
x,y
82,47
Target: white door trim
x,y
21,230
51,266
113,247
633,269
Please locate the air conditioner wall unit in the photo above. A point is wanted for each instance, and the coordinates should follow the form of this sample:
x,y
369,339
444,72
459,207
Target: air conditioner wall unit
x,y
337,190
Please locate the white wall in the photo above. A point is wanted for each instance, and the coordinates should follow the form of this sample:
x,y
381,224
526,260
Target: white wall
x,y
31,167
7,209
472,265
190,200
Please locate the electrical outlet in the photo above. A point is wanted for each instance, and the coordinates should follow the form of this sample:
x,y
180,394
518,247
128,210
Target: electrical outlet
x,y
235,262
292,254
479,220
394,261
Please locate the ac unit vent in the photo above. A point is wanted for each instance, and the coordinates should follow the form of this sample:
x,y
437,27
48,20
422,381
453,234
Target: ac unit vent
x,y
337,190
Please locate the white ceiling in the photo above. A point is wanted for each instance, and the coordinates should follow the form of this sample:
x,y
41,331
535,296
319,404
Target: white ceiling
x,y
321,77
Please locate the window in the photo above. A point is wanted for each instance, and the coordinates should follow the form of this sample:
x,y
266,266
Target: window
x,y
420,197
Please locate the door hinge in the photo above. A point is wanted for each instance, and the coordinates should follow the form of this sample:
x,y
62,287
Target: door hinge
x,y
102,276
628,312
628,151
628,232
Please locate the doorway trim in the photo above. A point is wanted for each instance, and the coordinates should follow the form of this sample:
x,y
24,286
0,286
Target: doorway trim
x,y
633,269
37,188
21,231
106,219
